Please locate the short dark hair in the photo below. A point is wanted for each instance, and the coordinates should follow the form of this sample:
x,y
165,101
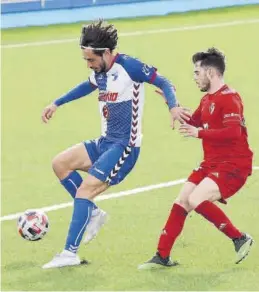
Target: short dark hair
x,y
213,57
99,35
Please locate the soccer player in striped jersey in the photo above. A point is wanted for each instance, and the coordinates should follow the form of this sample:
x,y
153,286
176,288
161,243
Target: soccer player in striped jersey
x,y
109,159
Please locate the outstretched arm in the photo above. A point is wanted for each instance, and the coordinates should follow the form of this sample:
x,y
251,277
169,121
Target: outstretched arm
x,y
168,92
79,91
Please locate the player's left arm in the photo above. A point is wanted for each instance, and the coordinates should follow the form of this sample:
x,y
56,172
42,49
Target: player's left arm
x,y
232,121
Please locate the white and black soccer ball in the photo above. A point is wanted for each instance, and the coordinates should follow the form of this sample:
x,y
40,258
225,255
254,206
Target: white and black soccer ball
x,y
33,225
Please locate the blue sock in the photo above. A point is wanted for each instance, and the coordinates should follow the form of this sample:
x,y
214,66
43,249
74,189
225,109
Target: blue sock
x,y
81,217
72,182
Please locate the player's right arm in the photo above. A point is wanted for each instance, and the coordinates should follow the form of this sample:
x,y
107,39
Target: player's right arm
x,y
79,91
231,112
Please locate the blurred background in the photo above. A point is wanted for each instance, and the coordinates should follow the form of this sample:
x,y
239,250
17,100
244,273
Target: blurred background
x,y
39,11
41,60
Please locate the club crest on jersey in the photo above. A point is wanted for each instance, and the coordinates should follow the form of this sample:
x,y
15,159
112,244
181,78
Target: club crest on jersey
x,y
106,112
108,96
115,76
212,108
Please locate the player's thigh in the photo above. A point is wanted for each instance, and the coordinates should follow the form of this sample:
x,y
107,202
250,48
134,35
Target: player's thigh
x,y
106,162
193,180
91,187
73,158
115,163
183,197
124,165
229,182
206,190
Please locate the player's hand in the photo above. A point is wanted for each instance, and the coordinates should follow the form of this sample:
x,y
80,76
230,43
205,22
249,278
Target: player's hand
x,y
48,112
180,114
189,131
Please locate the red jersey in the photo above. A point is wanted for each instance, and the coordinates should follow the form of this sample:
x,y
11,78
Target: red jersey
x,y
223,133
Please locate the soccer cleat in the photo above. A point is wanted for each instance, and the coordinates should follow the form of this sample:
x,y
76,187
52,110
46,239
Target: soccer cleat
x,y
157,262
98,219
242,246
64,259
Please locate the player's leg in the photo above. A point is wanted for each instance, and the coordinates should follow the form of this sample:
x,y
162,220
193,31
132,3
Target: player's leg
x,y
80,157
67,162
83,208
175,221
112,168
94,184
174,224
215,188
172,229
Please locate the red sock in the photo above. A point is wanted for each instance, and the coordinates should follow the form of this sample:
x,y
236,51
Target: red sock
x,y
172,229
216,216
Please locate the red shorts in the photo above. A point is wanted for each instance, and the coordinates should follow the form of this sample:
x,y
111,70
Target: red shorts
x,y
229,182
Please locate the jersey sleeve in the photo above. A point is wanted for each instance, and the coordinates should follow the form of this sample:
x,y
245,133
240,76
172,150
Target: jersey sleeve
x,y
232,109
139,71
168,90
79,91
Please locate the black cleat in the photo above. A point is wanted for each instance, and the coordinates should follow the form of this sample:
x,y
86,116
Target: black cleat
x,y
157,262
242,246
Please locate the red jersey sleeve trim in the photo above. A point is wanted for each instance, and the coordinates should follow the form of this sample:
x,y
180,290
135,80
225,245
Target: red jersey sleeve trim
x,y
153,77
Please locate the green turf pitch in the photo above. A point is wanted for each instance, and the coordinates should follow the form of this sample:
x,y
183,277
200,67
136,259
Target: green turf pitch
x,y
35,75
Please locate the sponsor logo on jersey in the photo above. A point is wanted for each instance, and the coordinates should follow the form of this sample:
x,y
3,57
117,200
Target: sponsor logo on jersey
x,y
231,115
108,96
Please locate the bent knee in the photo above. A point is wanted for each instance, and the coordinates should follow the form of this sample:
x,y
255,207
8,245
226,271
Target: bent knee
x,y
183,203
60,166
91,187
194,201
87,191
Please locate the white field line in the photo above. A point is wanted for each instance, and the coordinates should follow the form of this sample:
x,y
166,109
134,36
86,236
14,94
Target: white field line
x,y
103,197
140,33
108,196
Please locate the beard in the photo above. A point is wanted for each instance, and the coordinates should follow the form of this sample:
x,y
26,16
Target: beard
x,y
206,87
101,69
103,66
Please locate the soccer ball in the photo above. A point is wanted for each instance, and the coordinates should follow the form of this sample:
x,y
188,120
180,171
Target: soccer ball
x,y
33,225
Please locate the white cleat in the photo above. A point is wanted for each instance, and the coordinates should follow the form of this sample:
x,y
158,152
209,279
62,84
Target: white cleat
x,y
64,259
98,219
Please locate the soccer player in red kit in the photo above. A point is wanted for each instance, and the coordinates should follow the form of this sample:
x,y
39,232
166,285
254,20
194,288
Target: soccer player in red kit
x,y
219,123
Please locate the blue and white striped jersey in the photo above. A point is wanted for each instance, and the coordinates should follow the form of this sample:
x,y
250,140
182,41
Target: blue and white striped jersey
x,y
121,98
